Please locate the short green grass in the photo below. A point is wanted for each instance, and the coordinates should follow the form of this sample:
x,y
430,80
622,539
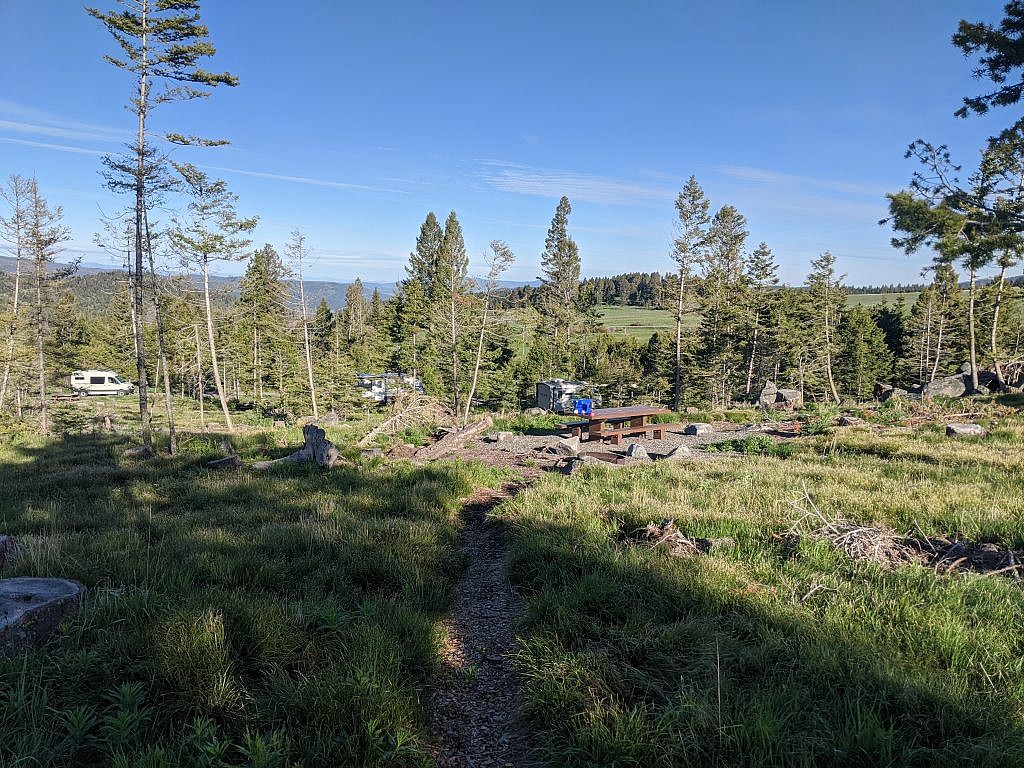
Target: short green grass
x,y
642,323
764,655
234,618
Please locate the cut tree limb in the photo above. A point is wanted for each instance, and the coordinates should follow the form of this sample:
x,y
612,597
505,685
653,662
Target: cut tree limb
x,y
317,448
454,440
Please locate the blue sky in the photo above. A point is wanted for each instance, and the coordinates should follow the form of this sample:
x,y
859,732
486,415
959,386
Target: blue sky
x,y
353,120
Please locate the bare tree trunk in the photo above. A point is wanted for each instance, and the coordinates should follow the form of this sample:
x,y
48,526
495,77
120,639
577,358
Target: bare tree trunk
x,y
140,207
479,356
305,337
971,329
161,345
753,354
995,329
455,351
938,348
213,347
44,425
18,221
677,396
200,384
828,353
924,358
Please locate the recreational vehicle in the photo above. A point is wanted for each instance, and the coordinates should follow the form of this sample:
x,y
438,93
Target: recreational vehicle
x,y
99,383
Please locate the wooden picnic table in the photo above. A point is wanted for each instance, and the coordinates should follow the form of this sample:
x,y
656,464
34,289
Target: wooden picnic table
x,y
614,423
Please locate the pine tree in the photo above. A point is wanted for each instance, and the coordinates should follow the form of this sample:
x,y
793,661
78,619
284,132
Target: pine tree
x,y
450,285
763,280
560,283
322,328
212,232
423,261
162,42
687,251
261,311
827,298
355,312
721,345
865,357
45,232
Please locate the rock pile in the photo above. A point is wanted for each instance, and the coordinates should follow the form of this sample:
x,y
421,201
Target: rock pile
x,y
774,399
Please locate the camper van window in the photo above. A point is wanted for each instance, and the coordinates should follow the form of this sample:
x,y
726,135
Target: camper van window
x,y
118,380
97,380
112,380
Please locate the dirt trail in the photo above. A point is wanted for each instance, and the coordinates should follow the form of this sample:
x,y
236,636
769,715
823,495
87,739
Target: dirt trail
x,y
476,699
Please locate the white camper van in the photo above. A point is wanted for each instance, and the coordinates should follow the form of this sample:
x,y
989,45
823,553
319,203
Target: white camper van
x,y
99,383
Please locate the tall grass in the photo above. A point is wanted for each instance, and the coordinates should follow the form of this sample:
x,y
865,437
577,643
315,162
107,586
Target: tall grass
x,y
764,654
237,618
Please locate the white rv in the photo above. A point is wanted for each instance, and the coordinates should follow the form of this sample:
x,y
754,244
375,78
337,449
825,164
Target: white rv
x,y
99,383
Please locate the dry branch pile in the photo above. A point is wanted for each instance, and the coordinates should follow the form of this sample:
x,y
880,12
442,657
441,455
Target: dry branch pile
x,y
883,545
411,410
666,534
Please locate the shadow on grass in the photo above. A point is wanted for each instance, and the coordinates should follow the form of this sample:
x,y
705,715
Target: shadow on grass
x,y
290,612
638,659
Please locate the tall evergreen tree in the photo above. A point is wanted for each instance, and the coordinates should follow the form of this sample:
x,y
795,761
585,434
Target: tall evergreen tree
x,y
688,252
451,284
825,291
14,229
865,357
45,232
262,309
763,280
560,282
162,43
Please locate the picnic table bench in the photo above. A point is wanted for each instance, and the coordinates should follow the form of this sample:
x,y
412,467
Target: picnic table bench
x,y
616,423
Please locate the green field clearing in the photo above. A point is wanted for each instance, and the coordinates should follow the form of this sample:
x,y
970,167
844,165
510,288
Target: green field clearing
x,y
766,653
292,617
642,323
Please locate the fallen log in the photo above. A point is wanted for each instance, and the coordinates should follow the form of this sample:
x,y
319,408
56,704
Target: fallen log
x,y
454,440
317,448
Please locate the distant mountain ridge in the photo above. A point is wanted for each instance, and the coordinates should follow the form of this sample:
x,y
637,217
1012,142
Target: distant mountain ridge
x,y
94,287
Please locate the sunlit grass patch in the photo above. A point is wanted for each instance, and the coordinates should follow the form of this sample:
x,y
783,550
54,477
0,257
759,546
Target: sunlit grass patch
x,y
766,652
234,617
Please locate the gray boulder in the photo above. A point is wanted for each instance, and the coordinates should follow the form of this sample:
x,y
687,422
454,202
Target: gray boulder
x,y
849,421
893,393
566,446
679,453
965,430
775,399
32,608
637,451
498,437
947,386
767,397
697,429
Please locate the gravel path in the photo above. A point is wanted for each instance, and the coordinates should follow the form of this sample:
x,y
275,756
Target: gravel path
x,y
476,698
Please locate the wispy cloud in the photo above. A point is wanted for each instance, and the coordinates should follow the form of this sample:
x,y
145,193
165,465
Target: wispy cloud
x,y
21,118
531,139
770,177
553,183
54,147
306,180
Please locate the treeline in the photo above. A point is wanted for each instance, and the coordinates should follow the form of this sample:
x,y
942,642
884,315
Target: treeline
x,y
653,290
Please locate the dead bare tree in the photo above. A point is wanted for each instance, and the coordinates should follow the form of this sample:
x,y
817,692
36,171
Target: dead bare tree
x,y
297,253
500,260
14,230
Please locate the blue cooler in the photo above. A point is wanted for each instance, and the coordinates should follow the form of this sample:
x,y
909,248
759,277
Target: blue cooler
x,y
583,406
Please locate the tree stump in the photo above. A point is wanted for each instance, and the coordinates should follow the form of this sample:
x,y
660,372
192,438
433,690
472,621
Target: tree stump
x,y
317,448
32,608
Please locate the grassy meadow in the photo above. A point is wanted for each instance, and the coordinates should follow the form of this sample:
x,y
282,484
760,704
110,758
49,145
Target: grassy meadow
x,y
238,618
764,653
291,617
642,323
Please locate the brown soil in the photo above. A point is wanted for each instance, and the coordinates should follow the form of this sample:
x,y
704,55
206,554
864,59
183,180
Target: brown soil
x,y
475,700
